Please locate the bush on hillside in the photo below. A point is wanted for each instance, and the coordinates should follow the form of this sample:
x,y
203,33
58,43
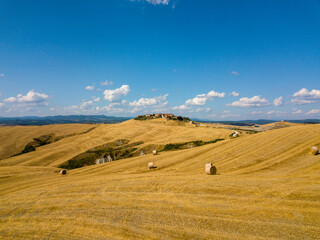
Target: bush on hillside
x,y
179,146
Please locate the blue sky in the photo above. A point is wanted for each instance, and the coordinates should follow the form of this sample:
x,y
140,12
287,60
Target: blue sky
x,y
210,59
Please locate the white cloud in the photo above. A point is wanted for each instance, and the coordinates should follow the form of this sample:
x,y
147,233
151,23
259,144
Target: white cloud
x,y
10,100
255,101
202,99
257,113
314,111
274,113
32,98
96,99
142,105
314,94
85,105
136,110
304,96
1,74
181,107
114,107
24,103
235,94
116,94
299,101
235,73
72,108
203,109
230,115
143,102
1,105
106,83
153,89
297,111
278,101
158,2
90,88
52,109
212,115
173,3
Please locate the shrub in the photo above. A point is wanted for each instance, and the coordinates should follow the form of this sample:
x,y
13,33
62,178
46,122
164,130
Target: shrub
x,y
28,148
179,146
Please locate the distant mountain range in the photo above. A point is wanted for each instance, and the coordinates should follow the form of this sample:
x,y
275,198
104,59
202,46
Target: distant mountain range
x,y
94,119
32,120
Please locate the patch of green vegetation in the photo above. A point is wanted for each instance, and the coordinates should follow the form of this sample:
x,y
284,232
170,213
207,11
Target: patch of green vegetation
x,y
28,148
214,141
251,131
153,116
47,139
43,140
172,147
231,136
128,153
37,142
77,163
184,119
111,149
140,118
180,146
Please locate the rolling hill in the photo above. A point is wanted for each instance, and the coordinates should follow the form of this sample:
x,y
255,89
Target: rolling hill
x,y
14,138
267,186
155,132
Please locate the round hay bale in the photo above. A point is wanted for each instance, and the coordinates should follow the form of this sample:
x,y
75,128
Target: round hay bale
x,y
314,150
63,172
208,165
211,170
150,165
155,152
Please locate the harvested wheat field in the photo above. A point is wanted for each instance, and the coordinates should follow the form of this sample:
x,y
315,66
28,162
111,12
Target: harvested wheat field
x,y
14,138
267,186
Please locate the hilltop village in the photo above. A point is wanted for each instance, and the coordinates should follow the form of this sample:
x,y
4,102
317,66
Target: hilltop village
x,y
168,116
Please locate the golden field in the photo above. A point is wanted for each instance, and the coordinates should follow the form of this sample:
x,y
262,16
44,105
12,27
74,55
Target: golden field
x,y
267,186
14,138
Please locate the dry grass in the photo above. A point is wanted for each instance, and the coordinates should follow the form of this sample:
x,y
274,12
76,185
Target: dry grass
x,y
14,138
150,132
257,128
267,187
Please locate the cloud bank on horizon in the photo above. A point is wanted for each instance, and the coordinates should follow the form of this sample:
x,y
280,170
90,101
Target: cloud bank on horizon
x,y
115,103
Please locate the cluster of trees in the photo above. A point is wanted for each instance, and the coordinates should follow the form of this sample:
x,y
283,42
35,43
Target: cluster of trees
x,y
170,117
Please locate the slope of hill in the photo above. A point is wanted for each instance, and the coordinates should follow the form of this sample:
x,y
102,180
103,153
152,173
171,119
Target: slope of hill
x,y
156,132
267,187
14,138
